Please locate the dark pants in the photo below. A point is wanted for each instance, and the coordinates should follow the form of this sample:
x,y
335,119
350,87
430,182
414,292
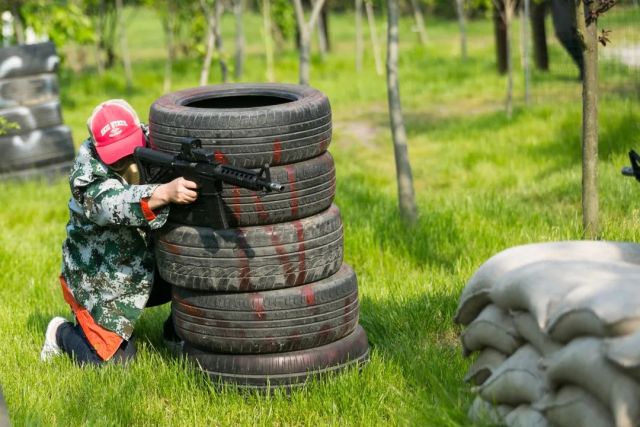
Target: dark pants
x,y
72,340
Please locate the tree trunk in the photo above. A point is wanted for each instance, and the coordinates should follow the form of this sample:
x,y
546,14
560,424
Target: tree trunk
x,y
126,59
501,36
305,37
169,26
374,36
239,61
539,35
324,14
18,25
417,14
525,50
322,41
589,34
224,69
268,38
508,21
99,41
462,23
359,41
211,39
406,197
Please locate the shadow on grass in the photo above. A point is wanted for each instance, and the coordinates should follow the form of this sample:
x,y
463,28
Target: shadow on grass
x,y
417,335
618,134
434,240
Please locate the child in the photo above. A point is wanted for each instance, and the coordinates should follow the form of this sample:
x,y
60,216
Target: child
x,y
108,264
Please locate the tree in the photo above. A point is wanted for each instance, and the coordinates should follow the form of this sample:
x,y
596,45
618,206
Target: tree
x,y
210,15
169,25
506,11
268,39
417,14
500,30
526,13
462,23
224,69
406,196
122,35
323,43
305,27
587,13
359,41
239,57
539,34
374,36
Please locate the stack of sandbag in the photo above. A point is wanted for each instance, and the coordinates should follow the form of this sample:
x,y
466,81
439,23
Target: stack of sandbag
x,y
40,144
555,329
267,301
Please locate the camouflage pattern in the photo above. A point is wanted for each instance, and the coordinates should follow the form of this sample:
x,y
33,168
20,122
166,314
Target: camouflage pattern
x,y
107,258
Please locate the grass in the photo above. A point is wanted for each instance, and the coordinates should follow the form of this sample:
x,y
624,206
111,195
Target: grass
x,y
483,183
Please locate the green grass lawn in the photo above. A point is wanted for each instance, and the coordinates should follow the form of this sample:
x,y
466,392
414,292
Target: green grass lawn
x,y
483,183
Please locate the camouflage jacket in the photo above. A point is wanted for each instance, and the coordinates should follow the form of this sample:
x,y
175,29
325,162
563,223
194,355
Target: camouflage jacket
x,y
107,257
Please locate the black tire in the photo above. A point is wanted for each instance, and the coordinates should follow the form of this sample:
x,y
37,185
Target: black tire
x,y
310,187
292,369
28,59
48,172
36,148
287,319
251,258
32,118
245,125
27,91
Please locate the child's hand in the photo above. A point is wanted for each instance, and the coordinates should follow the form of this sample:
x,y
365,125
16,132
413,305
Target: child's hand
x,y
180,191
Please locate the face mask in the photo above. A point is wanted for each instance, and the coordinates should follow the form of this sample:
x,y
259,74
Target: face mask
x,y
127,168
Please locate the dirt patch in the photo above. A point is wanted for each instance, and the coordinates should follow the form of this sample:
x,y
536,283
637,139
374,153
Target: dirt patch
x,y
628,55
357,132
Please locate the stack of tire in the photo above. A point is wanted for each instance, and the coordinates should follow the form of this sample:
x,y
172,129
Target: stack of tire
x,y
267,302
41,145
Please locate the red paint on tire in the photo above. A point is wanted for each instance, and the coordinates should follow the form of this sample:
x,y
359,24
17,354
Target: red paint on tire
x,y
277,151
301,256
308,294
291,176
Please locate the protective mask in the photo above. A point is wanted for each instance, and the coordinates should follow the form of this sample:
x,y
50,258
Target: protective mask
x,y
127,168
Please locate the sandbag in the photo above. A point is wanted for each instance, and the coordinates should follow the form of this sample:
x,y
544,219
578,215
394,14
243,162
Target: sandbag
x,y
539,287
572,406
518,380
526,416
582,363
528,329
475,295
607,308
493,328
624,352
487,362
483,412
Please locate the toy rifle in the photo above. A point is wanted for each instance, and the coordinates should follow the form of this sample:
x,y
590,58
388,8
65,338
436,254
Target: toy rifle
x,y
634,169
195,164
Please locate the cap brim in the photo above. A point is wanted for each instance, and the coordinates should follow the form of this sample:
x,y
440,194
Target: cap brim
x,y
111,153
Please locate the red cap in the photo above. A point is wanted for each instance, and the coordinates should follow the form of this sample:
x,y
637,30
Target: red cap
x,y
115,129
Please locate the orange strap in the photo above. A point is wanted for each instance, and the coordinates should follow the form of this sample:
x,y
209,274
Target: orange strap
x,y
105,342
146,211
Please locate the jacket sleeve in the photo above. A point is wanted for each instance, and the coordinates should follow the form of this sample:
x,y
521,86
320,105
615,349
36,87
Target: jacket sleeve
x,y
105,200
109,202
